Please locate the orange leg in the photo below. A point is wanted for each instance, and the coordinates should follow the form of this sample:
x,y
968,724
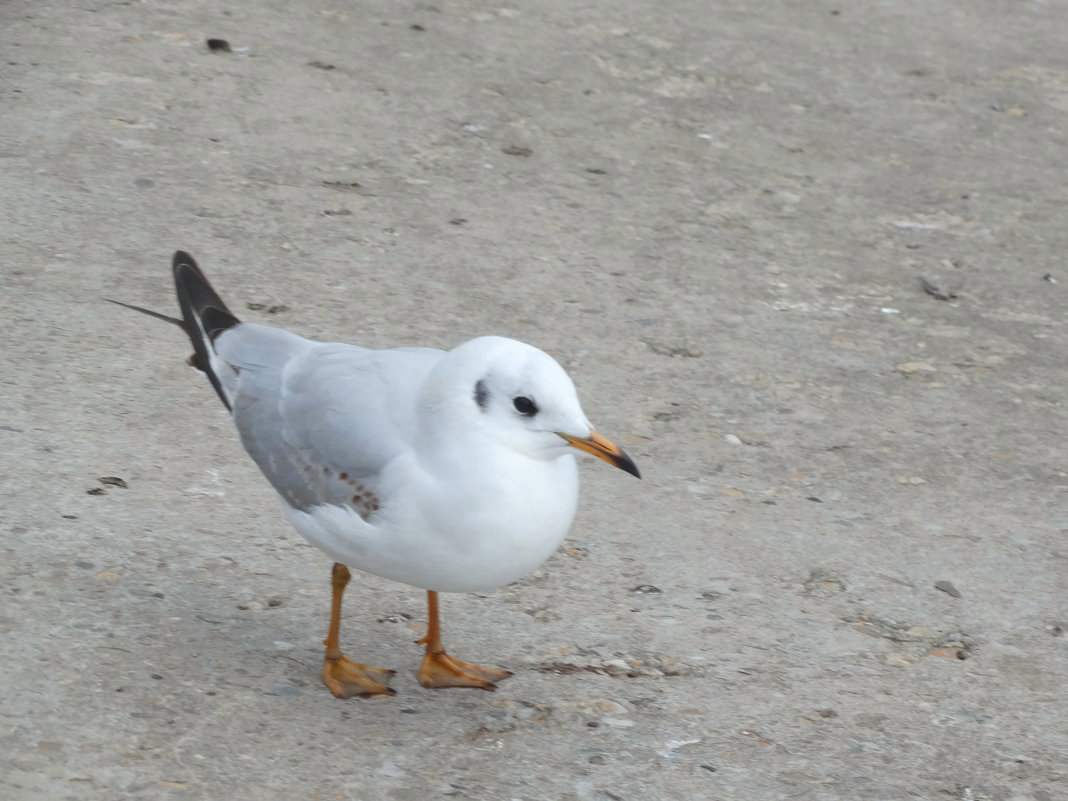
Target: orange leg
x,y
441,670
344,677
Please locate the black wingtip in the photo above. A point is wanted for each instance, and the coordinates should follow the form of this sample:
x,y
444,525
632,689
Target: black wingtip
x,y
183,259
204,315
198,298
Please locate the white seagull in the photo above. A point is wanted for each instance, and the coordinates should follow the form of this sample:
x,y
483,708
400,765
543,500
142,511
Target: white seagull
x,y
450,471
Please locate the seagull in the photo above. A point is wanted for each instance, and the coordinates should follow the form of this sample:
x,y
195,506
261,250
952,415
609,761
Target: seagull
x,y
450,471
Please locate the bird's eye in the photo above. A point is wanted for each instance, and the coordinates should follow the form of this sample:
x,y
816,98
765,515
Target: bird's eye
x,y
525,406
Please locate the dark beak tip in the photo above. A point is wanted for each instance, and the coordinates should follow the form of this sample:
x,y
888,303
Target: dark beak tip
x,y
627,465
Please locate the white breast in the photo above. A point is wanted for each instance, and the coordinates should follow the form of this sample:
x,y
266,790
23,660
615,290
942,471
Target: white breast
x,y
448,538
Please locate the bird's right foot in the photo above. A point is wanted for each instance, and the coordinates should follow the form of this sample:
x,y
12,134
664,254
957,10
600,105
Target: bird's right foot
x,y
347,679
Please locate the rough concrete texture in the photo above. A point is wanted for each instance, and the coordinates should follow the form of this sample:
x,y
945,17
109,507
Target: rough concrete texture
x,y
844,575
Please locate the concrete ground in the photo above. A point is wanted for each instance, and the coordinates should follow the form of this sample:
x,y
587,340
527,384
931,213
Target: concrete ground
x,y
845,573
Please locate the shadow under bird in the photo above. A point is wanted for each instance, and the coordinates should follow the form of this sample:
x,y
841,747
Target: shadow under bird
x,y
451,471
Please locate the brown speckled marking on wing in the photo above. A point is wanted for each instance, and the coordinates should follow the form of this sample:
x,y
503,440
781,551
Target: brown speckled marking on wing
x,y
316,486
363,501
360,499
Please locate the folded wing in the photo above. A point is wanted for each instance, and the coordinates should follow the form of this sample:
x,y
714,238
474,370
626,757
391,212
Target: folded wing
x,y
322,420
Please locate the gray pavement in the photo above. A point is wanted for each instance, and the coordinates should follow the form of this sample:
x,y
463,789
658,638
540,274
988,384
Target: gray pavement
x,y
844,575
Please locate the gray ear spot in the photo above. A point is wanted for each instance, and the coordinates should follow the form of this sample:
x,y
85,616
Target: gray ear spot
x,y
482,395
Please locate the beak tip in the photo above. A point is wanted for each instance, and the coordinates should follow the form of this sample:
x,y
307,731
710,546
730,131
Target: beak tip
x,y
598,446
627,465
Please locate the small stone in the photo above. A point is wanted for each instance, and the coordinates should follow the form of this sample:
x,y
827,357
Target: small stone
x,y
914,481
947,652
517,150
112,481
732,439
598,759
947,588
85,565
646,589
671,747
915,367
605,706
618,723
826,713
395,617
919,632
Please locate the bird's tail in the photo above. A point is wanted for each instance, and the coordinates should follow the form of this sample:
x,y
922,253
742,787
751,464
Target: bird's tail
x,y
204,317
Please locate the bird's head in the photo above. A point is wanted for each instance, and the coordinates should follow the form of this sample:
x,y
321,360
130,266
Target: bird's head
x,y
522,398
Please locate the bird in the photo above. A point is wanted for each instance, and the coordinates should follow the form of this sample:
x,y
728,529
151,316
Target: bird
x,y
449,471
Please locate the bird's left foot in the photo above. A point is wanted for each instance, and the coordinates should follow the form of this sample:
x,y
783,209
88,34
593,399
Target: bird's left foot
x,y
439,670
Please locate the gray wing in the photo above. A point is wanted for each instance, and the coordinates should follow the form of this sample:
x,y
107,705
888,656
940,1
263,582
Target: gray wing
x,y
321,420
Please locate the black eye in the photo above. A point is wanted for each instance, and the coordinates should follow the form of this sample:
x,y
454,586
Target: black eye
x,y
525,406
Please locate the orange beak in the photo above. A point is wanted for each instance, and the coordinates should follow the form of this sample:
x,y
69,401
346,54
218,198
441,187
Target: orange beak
x,y
603,449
